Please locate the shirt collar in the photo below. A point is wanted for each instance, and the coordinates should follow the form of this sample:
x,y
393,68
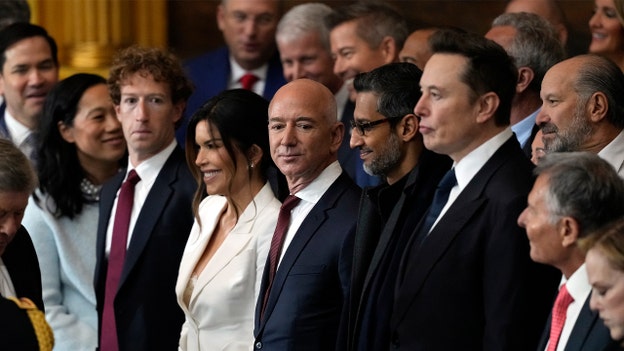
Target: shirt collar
x,y
315,190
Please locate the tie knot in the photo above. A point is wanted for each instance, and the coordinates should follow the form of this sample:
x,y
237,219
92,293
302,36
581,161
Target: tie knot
x,y
448,181
248,80
290,202
133,177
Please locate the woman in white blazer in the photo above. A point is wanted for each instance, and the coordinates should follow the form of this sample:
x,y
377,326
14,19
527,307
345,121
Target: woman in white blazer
x,y
227,148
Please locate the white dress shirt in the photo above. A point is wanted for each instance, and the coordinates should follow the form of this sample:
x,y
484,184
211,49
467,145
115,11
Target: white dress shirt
x,y
614,154
470,165
6,285
148,172
309,196
238,72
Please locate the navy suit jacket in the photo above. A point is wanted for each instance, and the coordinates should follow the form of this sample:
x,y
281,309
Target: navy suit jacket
x,y
308,297
146,310
210,73
471,285
589,333
20,259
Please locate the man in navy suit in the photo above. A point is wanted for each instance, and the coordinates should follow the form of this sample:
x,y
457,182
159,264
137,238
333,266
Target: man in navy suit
x,y
301,308
248,28
574,194
149,90
466,281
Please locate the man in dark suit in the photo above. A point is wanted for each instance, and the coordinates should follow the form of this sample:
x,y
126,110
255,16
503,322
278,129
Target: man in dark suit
x,y
306,279
535,47
28,70
385,133
574,194
466,280
139,311
19,268
248,28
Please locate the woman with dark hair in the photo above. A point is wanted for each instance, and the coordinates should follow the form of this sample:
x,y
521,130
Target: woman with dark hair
x,y
227,148
81,145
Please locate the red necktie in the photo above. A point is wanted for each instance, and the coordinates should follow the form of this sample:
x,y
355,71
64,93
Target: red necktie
x,y
283,221
248,81
558,316
116,258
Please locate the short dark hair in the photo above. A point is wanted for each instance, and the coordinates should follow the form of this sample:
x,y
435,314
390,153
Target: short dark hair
x,y
396,84
12,11
163,66
376,20
19,31
489,68
16,171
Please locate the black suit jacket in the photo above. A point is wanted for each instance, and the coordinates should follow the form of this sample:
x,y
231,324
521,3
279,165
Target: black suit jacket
x,y
146,311
20,259
16,330
308,296
372,235
471,285
589,333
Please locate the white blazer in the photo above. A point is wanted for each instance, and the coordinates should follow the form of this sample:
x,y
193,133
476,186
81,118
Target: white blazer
x,y
220,313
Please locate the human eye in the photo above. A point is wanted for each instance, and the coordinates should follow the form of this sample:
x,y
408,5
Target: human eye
x,y
276,126
239,17
21,70
129,100
599,291
265,19
47,65
156,100
304,126
610,13
347,53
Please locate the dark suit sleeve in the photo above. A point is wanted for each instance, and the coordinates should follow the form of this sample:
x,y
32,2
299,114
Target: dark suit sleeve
x,y
16,330
21,261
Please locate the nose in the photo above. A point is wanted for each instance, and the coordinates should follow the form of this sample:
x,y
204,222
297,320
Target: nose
x,y
542,117
593,301
35,77
594,20
356,139
141,110
250,27
339,69
521,219
289,136
297,71
9,225
112,123
200,159
419,109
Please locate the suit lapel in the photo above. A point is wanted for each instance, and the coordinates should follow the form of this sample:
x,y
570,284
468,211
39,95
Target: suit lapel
x,y
150,214
306,231
107,198
419,261
582,328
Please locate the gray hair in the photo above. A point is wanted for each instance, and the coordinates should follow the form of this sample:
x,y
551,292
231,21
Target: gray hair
x,y
16,171
536,44
599,74
303,19
375,20
583,186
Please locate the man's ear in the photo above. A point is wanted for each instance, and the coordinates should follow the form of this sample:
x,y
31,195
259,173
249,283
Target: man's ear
x,y
389,49
525,77
488,104
568,229
408,127
597,106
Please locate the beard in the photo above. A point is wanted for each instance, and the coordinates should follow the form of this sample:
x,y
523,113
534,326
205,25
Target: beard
x,y
388,157
573,137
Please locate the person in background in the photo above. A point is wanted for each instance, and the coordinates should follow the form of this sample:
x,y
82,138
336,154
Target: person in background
x,y
14,11
81,148
28,70
574,194
605,271
20,277
607,30
249,59
582,109
537,148
547,9
146,209
219,280
533,44
416,48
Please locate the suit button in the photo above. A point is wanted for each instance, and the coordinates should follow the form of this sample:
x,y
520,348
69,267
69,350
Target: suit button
x,y
258,345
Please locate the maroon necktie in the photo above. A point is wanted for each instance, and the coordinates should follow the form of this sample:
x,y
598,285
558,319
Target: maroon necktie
x,y
283,221
248,81
558,317
116,258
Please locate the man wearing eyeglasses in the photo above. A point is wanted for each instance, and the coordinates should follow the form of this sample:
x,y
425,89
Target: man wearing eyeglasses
x,y
385,132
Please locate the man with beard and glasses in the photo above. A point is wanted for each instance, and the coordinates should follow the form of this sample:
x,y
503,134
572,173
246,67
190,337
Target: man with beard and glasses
x,y
385,131
582,109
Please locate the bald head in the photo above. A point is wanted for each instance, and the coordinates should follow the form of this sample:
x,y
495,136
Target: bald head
x,y
547,9
416,48
304,131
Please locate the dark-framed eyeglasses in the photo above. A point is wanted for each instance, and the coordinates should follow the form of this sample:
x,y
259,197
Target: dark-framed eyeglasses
x,y
363,127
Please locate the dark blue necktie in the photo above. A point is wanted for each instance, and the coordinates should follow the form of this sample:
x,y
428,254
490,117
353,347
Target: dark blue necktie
x,y
439,200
